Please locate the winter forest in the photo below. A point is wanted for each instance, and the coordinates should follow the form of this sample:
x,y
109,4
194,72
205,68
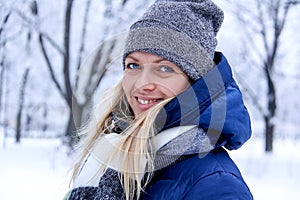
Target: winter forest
x,y
48,87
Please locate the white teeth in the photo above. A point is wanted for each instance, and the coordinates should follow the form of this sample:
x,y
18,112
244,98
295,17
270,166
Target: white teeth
x,y
145,102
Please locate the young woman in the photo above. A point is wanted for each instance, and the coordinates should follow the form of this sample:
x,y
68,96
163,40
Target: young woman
x,y
160,133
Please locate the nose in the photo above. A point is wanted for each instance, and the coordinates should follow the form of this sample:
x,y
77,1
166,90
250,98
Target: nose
x,y
145,81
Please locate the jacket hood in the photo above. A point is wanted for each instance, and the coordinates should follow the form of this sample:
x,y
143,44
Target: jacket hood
x,y
214,103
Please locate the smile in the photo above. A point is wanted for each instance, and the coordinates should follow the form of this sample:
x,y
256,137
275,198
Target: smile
x,y
145,102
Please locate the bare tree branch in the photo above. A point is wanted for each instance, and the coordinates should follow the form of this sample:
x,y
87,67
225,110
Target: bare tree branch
x,y
253,45
2,27
124,2
104,69
34,7
251,95
243,15
3,56
66,66
43,34
263,28
10,38
292,2
4,22
248,20
83,33
50,67
52,42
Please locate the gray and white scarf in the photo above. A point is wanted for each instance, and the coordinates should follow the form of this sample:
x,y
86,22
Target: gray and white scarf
x,y
171,146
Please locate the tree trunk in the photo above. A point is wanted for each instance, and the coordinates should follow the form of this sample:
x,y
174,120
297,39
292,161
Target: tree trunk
x,y
74,123
269,117
21,105
66,60
269,134
268,23
71,134
71,128
45,114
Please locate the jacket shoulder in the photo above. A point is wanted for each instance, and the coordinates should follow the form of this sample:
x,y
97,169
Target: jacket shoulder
x,y
211,176
219,185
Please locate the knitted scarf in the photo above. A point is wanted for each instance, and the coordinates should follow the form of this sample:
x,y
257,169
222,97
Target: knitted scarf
x,y
172,146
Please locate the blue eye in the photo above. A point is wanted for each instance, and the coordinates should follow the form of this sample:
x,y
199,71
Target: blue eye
x,y
133,66
167,69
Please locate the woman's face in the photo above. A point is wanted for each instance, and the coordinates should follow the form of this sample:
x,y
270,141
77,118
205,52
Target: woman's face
x,y
148,79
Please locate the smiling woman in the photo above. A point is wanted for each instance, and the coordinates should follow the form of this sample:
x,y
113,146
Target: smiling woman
x,y
160,133
149,79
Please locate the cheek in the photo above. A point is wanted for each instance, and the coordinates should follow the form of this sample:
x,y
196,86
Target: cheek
x,y
183,85
176,86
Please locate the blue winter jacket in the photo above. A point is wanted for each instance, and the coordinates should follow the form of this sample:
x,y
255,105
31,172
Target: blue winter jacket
x,y
215,104
213,177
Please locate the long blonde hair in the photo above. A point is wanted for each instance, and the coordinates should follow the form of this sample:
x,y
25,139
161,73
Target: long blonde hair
x,y
136,139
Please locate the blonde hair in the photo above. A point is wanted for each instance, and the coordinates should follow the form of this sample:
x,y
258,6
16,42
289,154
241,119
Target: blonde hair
x,y
136,139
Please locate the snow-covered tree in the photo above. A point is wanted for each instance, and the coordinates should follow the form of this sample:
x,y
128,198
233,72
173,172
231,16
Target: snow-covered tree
x,y
63,33
262,25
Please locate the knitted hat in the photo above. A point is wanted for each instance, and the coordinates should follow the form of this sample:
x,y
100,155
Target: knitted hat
x,y
181,31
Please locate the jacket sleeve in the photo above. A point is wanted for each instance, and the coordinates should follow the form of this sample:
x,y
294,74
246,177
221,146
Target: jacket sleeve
x,y
220,185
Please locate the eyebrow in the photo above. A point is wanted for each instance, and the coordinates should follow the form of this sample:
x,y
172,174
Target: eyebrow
x,y
156,61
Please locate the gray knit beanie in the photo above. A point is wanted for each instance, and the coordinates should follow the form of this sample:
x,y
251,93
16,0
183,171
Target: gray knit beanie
x,y
181,31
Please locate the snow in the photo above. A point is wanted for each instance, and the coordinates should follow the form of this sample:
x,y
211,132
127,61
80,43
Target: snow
x,y
270,175
40,169
34,169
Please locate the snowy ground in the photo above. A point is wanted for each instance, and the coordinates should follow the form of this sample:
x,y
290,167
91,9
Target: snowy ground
x,y
271,176
38,169
35,169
